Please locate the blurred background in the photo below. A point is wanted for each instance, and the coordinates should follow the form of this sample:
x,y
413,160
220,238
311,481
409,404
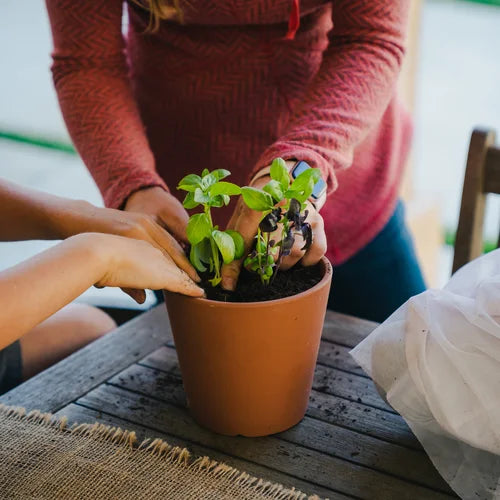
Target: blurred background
x,y
450,80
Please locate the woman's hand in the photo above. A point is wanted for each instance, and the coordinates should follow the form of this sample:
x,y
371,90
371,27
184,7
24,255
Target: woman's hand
x,y
246,222
133,264
163,207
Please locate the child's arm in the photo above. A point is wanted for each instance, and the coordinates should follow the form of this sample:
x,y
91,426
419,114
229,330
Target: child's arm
x,y
27,214
35,289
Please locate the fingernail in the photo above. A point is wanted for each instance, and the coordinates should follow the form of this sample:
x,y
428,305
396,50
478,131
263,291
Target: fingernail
x,y
229,284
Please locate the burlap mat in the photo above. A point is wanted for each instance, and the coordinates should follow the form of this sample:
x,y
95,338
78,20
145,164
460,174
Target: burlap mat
x,y
42,458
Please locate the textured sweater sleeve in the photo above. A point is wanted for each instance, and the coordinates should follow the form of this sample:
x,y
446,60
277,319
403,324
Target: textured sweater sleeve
x,y
352,89
91,80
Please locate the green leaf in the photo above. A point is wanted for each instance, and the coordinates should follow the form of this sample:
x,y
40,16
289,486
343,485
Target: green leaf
x,y
257,199
189,202
303,186
279,173
273,187
201,197
217,202
226,199
225,244
207,181
298,195
224,188
260,245
215,281
205,172
221,173
305,178
307,192
239,244
198,227
190,182
195,258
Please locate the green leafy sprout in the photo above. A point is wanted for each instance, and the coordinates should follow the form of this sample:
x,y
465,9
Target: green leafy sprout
x,y
281,202
210,247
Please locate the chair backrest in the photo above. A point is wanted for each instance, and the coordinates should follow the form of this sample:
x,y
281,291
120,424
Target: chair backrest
x,y
482,176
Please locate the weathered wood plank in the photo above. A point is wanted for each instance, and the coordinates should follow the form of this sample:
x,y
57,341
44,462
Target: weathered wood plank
x,y
348,386
319,435
87,368
337,356
81,414
326,379
353,415
346,330
330,354
304,463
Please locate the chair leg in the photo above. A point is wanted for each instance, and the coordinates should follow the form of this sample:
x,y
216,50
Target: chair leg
x,y
469,238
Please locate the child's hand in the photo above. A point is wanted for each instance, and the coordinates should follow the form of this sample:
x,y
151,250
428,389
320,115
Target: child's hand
x,y
131,263
84,217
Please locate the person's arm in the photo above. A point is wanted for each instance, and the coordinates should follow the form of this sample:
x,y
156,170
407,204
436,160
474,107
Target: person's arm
x,y
352,89
28,214
91,79
32,291
344,102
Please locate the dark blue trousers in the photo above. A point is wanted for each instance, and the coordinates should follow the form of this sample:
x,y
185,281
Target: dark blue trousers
x,y
381,276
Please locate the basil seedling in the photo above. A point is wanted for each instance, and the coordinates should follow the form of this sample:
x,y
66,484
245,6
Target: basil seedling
x,y
281,203
210,246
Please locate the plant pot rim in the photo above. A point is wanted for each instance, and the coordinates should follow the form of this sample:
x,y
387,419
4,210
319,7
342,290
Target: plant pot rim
x,y
328,272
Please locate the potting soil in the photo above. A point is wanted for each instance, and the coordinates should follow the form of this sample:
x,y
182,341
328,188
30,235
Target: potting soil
x,y
286,283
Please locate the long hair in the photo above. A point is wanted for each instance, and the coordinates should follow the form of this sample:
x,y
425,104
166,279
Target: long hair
x,y
160,9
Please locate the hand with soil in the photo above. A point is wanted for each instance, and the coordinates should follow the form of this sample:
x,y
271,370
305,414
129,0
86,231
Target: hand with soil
x,y
246,222
134,264
81,217
75,217
30,214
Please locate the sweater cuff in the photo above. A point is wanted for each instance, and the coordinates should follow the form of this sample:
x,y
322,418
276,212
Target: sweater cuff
x,y
118,193
299,153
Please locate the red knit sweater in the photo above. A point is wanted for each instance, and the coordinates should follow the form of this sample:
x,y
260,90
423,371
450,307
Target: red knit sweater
x,y
236,85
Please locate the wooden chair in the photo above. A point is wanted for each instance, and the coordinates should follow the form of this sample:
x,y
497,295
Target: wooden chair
x,y
482,176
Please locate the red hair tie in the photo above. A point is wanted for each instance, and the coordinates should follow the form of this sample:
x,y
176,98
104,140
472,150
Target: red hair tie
x,y
293,20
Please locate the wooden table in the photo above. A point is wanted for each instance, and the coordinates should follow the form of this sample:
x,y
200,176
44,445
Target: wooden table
x,y
349,445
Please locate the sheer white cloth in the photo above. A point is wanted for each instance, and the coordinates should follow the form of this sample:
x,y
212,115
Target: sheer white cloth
x,y
436,360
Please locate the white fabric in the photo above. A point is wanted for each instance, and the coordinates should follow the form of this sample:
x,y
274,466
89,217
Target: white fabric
x,y
436,360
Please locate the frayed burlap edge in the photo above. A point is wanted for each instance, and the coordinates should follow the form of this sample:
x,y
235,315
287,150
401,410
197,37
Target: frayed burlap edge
x,y
157,448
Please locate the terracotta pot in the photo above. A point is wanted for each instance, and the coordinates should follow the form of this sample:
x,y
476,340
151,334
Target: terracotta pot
x,y
248,367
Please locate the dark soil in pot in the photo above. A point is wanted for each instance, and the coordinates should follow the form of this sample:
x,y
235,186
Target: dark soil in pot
x,y
286,283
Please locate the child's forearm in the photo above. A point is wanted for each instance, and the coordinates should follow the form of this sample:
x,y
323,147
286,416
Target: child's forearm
x,y
26,214
35,289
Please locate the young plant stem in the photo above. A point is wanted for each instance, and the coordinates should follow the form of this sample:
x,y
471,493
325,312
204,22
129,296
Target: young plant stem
x,y
259,259
286,228
213,246
268,238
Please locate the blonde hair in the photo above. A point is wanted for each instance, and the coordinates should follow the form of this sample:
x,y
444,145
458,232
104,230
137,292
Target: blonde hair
x,y
160,9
